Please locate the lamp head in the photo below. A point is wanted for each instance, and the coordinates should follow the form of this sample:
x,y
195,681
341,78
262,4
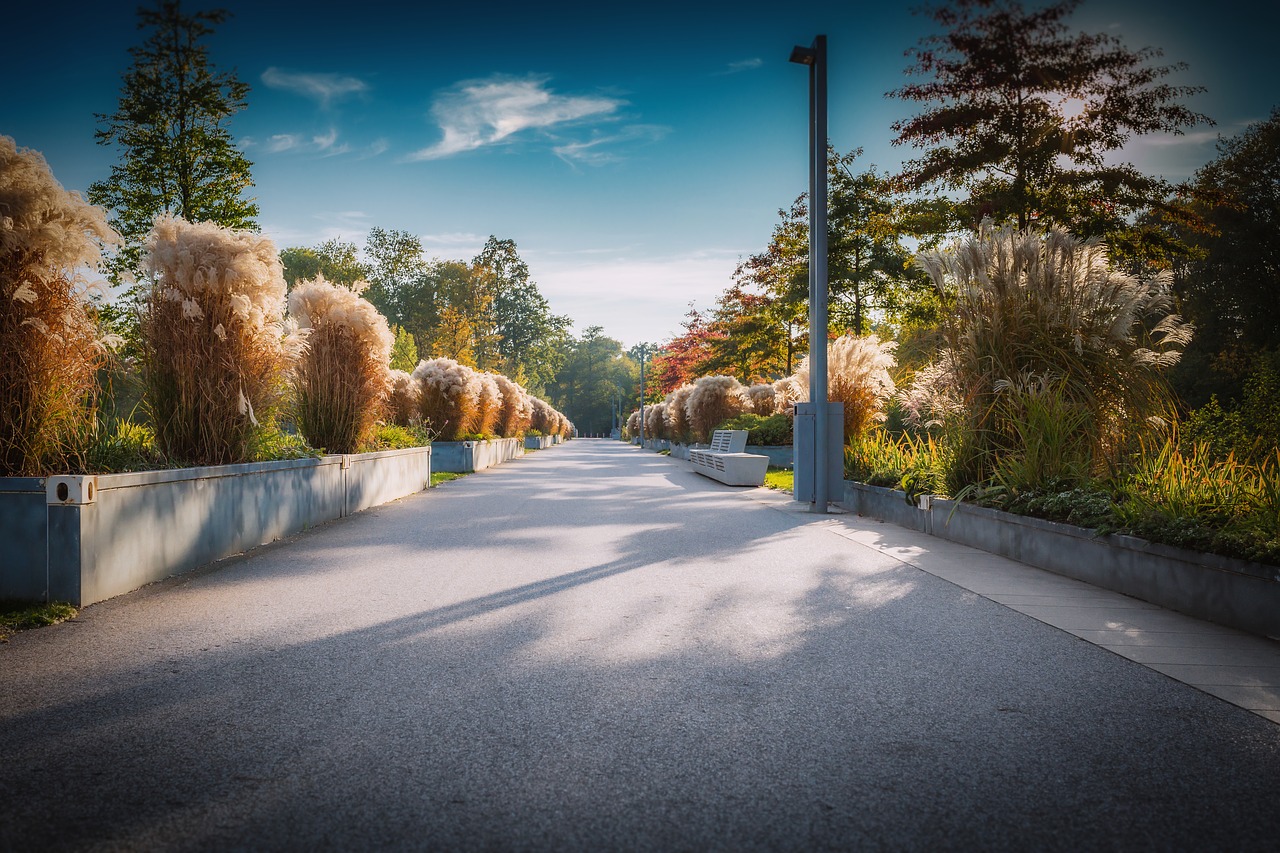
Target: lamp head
x,y
803,55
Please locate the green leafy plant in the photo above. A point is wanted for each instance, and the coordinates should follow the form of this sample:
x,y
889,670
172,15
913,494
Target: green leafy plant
x,y
396,437
916,464
766,431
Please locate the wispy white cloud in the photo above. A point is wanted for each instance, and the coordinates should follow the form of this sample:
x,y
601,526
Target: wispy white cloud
x,y
742,65
374,149
1165,140
457,245
283,142
324,88
602,148
325,144
476,113
350,226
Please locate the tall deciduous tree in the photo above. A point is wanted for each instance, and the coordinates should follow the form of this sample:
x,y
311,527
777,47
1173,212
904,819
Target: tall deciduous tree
x,y
1231,292
337,261
530,342
595,373
1026,116
171,126
399,286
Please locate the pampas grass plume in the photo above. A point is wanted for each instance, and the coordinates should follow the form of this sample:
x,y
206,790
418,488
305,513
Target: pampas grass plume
x,y
50,350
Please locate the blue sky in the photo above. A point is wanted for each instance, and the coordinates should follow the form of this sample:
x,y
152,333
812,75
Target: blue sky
x,y
633,151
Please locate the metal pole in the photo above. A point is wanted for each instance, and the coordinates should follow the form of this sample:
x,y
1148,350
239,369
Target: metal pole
x,y
818,270
643,352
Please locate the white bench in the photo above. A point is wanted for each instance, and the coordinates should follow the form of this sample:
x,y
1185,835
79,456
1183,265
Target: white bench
x,y
725,460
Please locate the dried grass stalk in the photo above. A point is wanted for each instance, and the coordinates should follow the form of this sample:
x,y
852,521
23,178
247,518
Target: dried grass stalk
x,y
516,412
404,400
216,349
49,346
488,405
763,399
857,376
543,418
450,396
343,378
655,421
678,413
713,400
1027,305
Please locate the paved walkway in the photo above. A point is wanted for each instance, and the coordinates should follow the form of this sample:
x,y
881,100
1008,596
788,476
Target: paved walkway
x,y
594,648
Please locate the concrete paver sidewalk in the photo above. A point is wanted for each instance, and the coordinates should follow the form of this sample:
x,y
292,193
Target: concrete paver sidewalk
x,y
594,649
1239,668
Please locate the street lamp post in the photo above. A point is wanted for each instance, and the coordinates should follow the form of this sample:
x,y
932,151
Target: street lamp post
x,y
644,351
815,56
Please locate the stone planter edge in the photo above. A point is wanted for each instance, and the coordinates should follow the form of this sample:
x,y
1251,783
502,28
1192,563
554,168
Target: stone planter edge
x,y
1219,589
129,530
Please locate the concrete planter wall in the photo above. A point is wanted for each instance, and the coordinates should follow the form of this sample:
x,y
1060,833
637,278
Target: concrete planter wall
x,y
1219,589
681,451
85,539
657,444
883,504
538,442
465,457
780,456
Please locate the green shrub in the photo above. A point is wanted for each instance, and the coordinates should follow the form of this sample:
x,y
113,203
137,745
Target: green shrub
x,y
766,431
124,446
1248,429
917,465
397,437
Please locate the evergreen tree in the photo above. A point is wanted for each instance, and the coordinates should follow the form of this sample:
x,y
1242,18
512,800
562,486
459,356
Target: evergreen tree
x,y
171,124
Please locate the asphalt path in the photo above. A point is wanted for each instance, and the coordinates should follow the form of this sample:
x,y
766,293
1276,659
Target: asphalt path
x,y
594,648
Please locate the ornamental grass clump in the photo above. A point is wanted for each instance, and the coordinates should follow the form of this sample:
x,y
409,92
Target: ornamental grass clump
x,y
450,397
857,376
763,399
488,405
216,348
1026,307
516,412
633,424
713,400
543,418
678,428
655,421
50,350
404,399
341,381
